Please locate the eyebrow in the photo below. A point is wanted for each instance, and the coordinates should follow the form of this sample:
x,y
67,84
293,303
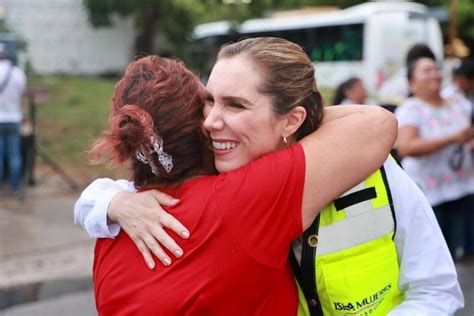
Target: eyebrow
x,y
209,97
231,98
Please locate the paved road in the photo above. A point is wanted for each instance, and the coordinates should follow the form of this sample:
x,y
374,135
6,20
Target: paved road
x,y
80,304
42,253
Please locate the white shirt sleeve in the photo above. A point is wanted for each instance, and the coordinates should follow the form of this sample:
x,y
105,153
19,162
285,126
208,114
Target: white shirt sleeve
x,y
408,114
90,210
428,276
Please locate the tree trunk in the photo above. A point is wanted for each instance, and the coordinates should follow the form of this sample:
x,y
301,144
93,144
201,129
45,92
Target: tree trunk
x,y
147,27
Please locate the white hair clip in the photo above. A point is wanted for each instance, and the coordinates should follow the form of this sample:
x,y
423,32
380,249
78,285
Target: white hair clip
x,y
165,159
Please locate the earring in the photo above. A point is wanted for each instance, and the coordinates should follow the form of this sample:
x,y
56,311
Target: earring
x,y
285,140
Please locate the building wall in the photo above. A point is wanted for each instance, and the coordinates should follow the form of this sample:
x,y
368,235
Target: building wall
x,y
60,39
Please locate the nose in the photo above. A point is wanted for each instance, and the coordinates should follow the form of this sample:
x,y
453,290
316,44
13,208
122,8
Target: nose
x,y
213,119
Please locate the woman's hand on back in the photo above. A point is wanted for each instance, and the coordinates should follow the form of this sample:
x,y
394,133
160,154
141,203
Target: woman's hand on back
x,y
141,216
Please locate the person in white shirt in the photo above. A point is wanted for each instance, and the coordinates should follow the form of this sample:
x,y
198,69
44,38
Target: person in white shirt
x,y
427,277
462,86
12,88
433,141
422,268
395,89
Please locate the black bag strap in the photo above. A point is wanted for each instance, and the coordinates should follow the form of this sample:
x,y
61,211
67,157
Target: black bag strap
x,y
308,282
308,255
5,81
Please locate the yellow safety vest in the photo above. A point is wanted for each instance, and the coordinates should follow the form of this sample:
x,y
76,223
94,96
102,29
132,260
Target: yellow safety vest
x,y
349,261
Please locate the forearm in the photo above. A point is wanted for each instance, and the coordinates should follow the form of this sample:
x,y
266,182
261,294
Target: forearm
x,y
90,210
370,131
420,147
365,121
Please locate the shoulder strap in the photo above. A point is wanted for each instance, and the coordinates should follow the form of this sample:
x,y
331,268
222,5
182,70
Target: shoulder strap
x,y
308,283
390,199
308,256
8,75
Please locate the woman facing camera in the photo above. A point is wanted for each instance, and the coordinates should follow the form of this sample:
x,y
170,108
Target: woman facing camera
x,y
242,221
434,142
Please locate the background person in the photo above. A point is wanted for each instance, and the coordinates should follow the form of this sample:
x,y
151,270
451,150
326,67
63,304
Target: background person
x,y
462,86
397,238
156,123
351,91
433,141
395,89
12,88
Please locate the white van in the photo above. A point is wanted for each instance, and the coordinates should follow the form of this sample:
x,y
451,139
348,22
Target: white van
x,y
369,40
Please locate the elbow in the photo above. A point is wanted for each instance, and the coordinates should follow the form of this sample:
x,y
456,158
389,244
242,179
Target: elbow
x,y
408,148
407,151
386,127
402,151
405,146
382,130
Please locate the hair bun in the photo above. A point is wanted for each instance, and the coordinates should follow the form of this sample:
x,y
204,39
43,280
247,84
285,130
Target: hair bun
x,y
129,126
133,114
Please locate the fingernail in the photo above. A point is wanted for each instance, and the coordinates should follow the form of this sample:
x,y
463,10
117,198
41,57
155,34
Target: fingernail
x,y
174,201
167,261
151,265
185,234
178,253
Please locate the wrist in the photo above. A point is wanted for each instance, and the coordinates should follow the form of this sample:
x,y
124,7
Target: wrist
x,y
451,140
117,199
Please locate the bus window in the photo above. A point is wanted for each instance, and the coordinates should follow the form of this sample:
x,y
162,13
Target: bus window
x,y
336,43
299,37
328,43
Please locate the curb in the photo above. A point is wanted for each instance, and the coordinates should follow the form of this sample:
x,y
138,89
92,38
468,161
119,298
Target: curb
x,y
39,291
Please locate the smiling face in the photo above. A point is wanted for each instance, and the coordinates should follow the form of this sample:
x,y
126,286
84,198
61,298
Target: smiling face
x,y
239,118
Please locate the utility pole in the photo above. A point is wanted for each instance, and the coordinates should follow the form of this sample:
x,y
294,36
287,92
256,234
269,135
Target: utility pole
x,y
453,21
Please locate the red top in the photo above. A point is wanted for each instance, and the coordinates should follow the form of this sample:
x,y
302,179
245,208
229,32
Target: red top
x,y
235,262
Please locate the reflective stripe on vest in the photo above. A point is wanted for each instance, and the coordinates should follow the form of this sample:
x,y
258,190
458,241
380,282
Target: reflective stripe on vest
x,y
358,223
355,260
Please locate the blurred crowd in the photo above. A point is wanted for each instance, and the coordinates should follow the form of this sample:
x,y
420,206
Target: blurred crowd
x,y
435,144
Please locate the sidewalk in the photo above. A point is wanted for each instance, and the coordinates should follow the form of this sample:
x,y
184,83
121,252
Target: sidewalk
x,y
43,255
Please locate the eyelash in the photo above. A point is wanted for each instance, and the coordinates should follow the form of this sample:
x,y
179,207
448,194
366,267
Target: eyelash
x,y
237,105
209,103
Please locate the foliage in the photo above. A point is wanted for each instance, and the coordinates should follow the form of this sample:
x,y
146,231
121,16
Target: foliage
x,y
176,18
466,22
75,115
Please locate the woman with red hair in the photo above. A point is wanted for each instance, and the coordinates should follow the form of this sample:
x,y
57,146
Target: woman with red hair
x,y
242,221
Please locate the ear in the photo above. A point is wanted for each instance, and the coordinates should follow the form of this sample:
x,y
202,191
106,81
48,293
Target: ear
x,y
412,86
293,121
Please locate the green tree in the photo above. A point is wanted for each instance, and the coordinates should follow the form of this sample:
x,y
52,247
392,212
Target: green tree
x,y
175,18
466,22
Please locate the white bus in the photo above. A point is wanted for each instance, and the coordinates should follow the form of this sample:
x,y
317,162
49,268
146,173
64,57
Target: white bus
x,y
369,40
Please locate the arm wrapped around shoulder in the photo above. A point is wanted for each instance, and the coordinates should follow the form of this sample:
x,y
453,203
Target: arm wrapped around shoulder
x,y
351,144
